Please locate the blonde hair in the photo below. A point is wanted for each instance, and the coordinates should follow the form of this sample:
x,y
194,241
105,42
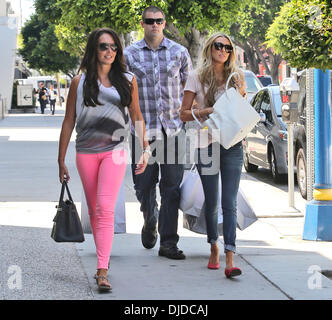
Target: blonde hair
x,y
206,73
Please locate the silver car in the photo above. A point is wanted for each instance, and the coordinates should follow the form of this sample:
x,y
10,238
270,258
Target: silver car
x,y
253,84
266,145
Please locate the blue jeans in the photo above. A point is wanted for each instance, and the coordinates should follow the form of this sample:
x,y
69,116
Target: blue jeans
x,y
171,177
229,162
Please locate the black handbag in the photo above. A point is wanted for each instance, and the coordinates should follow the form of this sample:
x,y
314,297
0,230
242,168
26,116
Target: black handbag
x,y
67,225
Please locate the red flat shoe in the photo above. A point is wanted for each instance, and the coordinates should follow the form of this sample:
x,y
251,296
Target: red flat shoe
x,y
213,266
232,272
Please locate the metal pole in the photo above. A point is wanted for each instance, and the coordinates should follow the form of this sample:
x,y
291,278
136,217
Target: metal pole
x,y
290,127
318,218
310,132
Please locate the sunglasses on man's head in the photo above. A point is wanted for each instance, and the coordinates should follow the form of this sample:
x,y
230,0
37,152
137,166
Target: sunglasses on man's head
x,y
104,46
220,46
152,21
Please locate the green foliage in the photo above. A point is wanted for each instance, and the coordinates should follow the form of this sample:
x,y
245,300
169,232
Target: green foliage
x,y
277,33
253,18
40,48
302,33
79,17
208,15
47,10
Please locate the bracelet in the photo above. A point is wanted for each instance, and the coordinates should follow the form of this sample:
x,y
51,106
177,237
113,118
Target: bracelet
x,y
148,151
199,115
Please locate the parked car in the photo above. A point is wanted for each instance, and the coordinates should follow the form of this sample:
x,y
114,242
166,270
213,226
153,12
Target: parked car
x,y
300,140
253,84
266,145
265,80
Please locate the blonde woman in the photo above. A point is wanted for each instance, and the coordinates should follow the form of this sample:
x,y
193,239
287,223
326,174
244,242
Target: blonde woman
x,y
202,89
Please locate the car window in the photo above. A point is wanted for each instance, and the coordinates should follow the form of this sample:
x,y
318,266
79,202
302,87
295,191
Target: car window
x,y
265,81
277,104
266,107
253,84
301,103
48,83
256,102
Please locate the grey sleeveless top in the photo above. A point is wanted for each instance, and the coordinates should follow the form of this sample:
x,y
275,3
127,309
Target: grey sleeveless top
x,y
104,127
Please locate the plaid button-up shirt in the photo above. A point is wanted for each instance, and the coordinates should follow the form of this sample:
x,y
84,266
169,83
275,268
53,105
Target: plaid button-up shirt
x,y
161,76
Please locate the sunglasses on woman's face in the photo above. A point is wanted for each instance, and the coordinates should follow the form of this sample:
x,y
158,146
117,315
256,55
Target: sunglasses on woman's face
x,y
104,46
152,21
220,46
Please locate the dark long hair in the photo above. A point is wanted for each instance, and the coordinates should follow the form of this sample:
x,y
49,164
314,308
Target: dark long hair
x,y
116,75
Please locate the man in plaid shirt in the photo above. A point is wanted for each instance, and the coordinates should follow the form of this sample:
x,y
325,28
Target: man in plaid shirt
x,y
161,68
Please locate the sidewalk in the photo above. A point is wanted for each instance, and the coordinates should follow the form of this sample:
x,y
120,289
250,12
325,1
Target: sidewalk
x,y
276,263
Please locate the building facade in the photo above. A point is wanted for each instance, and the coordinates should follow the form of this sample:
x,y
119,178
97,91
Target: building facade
x,y
8,36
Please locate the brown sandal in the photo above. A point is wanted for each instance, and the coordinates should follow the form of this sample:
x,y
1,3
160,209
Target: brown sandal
x,y
103,287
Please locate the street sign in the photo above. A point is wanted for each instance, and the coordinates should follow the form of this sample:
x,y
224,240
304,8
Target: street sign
x,y
24,95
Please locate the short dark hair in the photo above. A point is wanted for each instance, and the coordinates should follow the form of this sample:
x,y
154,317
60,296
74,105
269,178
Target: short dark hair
x,y
153,9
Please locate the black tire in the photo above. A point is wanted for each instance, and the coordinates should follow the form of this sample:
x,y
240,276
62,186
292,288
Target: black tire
x,y
62,99
276,176
247,165
301,172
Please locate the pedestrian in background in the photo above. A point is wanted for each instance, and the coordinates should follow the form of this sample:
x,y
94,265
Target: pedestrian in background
x,y
42,97
161,67
52,97
99,100
204,86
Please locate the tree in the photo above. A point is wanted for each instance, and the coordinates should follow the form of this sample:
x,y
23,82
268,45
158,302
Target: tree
x,y
188,21
302,33
248,30
79,17
40,48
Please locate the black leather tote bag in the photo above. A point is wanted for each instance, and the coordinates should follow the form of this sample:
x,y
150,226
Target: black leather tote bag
x,y
67,225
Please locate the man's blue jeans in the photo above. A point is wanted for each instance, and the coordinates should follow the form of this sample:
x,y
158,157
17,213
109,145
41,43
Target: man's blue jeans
x,y
171,173
210,161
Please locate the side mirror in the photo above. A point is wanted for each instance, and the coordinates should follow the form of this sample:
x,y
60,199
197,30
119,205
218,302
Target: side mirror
x,y
263,117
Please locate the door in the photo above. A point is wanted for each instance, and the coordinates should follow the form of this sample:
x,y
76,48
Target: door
x,y
264,130
252,137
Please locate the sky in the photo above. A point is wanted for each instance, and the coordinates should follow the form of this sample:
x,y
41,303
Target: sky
x,y
27,8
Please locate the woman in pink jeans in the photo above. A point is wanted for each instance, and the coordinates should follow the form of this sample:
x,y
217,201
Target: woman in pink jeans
x,y
100,101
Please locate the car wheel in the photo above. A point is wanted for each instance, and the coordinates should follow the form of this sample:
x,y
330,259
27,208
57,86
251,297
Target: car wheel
x,y
277,177
301,169
62,99
247,165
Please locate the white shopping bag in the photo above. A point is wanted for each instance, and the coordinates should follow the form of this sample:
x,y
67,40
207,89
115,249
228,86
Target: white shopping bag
x,y
192,205
119,213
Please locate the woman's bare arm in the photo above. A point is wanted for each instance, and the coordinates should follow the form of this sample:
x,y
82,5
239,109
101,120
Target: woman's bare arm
x,y
139,124
187,105
68,125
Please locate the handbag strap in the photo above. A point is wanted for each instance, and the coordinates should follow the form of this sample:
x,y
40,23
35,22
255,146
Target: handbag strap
x,y
65,186
193,114
230,77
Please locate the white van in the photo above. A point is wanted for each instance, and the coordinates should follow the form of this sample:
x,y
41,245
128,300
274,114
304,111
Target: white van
x,y
48,81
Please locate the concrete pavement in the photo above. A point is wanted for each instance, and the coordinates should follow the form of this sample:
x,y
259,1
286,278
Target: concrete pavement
x,y
276,263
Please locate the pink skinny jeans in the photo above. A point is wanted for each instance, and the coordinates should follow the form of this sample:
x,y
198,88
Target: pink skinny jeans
x,y
101,175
